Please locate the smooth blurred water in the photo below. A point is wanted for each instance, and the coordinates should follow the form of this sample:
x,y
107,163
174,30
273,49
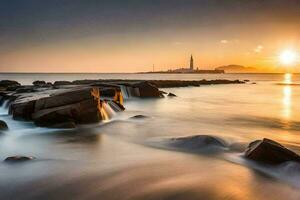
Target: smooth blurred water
x,y
117,159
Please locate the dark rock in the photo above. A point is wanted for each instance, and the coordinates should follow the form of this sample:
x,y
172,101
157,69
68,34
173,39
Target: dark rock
x,y
146,89
197,142
9,83
63,98
246,80
80,113
3,125
16,159
117,107
270,152
22,110
139,117
57,83
39,83
25,89
65,125
171,95
253,83
108,92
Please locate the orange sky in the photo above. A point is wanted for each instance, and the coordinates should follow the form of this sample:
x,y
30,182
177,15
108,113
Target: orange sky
x,y
127,44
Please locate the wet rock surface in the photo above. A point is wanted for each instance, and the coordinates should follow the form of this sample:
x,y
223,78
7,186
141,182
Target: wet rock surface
x,y
270,152
65,103
147,89
3,125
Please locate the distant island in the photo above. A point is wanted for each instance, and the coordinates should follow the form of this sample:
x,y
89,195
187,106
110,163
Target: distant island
x,y
237,69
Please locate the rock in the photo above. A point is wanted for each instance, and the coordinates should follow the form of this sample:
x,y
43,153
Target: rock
x,y
197,142
79,113
57,83
253,83
22,110
63,98
117,107
146,89
15,159
171,95
66,125
139,117
108,92
270,152
39,83
25,89
9,83
3,125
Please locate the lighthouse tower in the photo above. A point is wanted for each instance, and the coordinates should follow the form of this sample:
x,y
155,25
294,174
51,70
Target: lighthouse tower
x,y
192,63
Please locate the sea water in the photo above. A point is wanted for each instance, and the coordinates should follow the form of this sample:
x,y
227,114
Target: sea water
x,y
123,158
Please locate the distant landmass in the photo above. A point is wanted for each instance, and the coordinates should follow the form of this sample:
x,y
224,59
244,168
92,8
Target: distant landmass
x,y
237,69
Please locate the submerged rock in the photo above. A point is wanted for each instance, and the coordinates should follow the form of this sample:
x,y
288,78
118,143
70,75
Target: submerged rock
x,y
3,125
197,142
171,95
139,117
15,159
270,152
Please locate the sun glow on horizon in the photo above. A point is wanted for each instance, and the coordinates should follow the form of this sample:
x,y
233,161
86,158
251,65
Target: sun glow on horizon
x,y
288,57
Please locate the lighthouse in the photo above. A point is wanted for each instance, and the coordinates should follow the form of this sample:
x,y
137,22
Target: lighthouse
x,y
192,63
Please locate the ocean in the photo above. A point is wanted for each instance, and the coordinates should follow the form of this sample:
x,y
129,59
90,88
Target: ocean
x,y
125,158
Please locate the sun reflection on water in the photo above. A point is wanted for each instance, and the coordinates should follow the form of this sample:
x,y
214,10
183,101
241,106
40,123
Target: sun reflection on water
x,y
287,100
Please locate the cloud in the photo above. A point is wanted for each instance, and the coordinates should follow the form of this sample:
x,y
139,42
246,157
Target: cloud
x,y
177,43
258,49
224,41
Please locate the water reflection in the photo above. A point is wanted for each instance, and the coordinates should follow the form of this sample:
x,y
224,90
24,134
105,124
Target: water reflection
x,y
287,99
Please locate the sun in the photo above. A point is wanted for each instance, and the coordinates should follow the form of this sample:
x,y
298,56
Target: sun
x,y
288,57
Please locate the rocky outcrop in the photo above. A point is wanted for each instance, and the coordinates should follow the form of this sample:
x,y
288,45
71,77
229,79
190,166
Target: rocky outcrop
x,y
270,152
3,125
66,104
17,159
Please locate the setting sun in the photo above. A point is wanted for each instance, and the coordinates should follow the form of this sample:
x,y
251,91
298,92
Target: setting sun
x,y
288,57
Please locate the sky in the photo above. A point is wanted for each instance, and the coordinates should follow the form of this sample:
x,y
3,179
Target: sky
x,y
133,35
